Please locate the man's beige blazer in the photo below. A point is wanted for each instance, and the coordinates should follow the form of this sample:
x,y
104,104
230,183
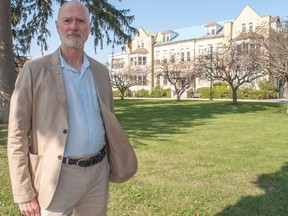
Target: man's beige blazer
x,y
38,128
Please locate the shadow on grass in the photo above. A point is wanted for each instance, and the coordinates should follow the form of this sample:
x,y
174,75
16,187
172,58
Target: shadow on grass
x,y
273,202
142,118
3,135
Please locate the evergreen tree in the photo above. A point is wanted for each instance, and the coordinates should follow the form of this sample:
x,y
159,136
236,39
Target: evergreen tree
x,y
29,19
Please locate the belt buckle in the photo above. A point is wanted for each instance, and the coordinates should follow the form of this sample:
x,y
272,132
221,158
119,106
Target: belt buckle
x,y
84,160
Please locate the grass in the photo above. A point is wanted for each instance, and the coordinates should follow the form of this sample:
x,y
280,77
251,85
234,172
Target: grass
x,y
207,157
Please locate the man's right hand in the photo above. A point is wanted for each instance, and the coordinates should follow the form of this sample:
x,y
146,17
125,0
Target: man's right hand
x,y
30,208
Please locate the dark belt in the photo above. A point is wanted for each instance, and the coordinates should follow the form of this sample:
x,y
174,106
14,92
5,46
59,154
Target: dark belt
x,y
86,162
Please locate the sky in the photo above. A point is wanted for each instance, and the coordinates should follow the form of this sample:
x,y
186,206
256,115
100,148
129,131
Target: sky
x,y
161,15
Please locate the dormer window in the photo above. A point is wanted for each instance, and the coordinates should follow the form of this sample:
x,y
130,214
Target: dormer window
x,y
166,38
212,28
169,36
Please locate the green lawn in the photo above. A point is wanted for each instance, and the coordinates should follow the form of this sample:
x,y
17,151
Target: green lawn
x,y
212,158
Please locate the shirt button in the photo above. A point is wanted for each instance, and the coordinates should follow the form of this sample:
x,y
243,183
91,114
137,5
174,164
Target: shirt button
x,y
65,131
60,157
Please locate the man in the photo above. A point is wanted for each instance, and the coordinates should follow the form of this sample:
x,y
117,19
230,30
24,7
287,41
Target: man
x,y
62,127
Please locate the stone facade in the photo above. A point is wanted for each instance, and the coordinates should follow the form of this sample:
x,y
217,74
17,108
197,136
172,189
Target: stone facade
x,y
185,44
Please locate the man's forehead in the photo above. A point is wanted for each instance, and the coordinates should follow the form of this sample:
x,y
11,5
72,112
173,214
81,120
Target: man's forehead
x,y
73,10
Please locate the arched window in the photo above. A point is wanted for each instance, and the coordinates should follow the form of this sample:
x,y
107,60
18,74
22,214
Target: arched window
x,y
250,27
182,55
188,54
243,27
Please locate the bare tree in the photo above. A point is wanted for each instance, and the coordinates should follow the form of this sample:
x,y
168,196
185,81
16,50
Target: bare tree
x,y
276,50
179,74
126,77
238,62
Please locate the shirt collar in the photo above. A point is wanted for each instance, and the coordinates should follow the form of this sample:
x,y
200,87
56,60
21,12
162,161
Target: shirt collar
x,y
66,66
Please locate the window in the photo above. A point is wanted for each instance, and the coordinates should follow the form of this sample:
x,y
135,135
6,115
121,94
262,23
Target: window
x,y
165,56
209,51
139,60
243,27
158,57
219,50
118,63
250,27
158,80
144,80
165,81
131,61
182,55
210,30
167,38
213,32
188,54
144,60
172,55
138,44
200,50
140,80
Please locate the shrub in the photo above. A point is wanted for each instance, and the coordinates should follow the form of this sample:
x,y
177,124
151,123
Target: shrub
x,y
204,92
116,93
267,86
127,93
142,93
242,93
159,92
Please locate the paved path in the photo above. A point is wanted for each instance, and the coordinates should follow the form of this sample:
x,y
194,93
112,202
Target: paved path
x,y
284,101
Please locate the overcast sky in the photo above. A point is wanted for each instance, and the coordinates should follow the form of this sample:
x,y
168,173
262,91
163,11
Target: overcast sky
x,y
161,15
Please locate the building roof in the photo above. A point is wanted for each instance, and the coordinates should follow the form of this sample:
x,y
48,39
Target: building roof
x,y
149,33
275,19
140,50
194,32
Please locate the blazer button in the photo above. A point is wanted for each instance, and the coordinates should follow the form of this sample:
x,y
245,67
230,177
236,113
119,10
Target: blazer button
x,y
60,157
65,131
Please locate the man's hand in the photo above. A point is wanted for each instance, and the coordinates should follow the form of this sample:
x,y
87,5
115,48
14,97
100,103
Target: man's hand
x,y
30,208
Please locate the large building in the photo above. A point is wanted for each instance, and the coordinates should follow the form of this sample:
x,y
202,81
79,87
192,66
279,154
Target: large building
x,y
184,45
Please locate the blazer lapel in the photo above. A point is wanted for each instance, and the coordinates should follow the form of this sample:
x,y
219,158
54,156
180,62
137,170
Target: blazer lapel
x,y
56,73
98,75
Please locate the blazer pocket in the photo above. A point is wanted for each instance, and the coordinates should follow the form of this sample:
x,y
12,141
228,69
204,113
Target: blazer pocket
x,y
35,163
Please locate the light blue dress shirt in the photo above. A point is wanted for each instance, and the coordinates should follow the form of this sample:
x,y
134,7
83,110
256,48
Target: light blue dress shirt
x,y
86,134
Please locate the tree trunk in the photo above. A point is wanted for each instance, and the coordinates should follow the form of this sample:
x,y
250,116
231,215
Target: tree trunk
x,y
7,69
234,94
122,94
286,92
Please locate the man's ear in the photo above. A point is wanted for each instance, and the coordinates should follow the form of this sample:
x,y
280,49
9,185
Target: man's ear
x,y
56,23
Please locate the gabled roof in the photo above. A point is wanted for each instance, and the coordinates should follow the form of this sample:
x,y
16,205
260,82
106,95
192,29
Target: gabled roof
x,y
168,32
275,19
212,24
149,33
